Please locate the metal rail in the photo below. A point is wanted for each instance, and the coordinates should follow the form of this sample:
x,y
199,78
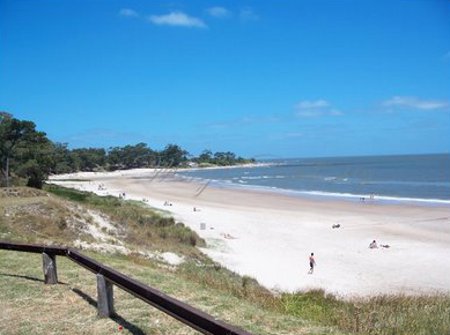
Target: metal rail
x,y
181,311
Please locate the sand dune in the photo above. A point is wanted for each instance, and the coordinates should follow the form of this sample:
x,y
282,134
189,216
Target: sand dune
x,y
270,236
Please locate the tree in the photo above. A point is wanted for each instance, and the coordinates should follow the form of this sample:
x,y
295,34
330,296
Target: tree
x,y
173,155
88,159
224,158
131,157
205,157
33,158
62,160
13,132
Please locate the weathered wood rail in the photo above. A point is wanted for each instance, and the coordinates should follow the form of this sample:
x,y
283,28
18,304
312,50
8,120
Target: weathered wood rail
x,y
107,277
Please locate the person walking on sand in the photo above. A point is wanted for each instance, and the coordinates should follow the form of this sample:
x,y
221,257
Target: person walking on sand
x,y
312,263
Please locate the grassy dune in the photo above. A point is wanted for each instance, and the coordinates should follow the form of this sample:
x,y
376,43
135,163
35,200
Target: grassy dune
x,y
29,306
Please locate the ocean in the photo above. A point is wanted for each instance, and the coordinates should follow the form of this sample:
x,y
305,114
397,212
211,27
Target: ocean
x,y
403,178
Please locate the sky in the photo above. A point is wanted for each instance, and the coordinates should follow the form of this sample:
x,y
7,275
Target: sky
x,y
264,79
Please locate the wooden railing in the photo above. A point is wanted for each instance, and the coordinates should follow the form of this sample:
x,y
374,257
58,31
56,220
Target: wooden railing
x,y
107,277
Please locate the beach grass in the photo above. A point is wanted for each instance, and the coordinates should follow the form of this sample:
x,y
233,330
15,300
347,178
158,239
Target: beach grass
x,y
393,314
383,314
148,227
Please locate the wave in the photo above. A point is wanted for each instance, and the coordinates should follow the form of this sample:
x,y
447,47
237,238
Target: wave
x,y
261,177
424,185
407,183
375,197
336,195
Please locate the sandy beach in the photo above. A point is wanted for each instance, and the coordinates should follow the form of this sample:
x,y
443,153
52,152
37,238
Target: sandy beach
x,y
270,236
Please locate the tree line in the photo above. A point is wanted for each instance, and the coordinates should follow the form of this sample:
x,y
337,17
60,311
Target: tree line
x,y
27,154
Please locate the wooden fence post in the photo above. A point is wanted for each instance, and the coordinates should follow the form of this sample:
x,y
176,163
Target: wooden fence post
x,y
49,265
105,298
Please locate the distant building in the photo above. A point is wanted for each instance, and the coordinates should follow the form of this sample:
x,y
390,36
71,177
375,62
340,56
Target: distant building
x,y
192,164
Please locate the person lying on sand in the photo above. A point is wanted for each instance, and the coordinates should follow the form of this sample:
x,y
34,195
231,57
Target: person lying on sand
x,y
228,236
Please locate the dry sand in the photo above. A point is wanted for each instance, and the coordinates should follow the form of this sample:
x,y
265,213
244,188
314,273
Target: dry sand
x,y
269,236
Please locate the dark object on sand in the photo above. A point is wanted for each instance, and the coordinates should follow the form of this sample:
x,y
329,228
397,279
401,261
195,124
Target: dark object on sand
x,y
336,226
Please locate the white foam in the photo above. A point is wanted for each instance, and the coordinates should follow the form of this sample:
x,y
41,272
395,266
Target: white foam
x,y
350,196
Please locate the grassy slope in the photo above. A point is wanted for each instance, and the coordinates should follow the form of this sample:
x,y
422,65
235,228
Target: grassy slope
x,y
239,300
30,307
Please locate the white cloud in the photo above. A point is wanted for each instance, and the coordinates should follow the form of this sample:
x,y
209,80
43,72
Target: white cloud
x,y
306,104
416,103
219,12
128,12
315,108
179,19
247,14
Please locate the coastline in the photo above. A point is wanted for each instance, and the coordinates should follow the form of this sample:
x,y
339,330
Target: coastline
x,y
269,236
319,195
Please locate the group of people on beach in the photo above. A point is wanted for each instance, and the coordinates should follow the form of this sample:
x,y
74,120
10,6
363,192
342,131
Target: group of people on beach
x,y
374,245
371,197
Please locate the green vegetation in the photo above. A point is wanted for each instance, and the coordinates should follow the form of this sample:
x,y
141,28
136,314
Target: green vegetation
x,y
30,307
207,158
29,156
396,314
23,150
383,315
145,227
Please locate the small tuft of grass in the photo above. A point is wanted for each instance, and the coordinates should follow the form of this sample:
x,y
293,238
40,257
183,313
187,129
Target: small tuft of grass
x,y
314,304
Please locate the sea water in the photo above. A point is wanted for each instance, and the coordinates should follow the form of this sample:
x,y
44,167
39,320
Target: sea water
x,y
412,178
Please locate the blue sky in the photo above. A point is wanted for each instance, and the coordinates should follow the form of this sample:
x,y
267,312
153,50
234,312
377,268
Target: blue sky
x,y
266,79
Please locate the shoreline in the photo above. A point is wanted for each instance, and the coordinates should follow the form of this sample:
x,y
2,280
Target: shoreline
x,y
321,195
302,194
269,236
